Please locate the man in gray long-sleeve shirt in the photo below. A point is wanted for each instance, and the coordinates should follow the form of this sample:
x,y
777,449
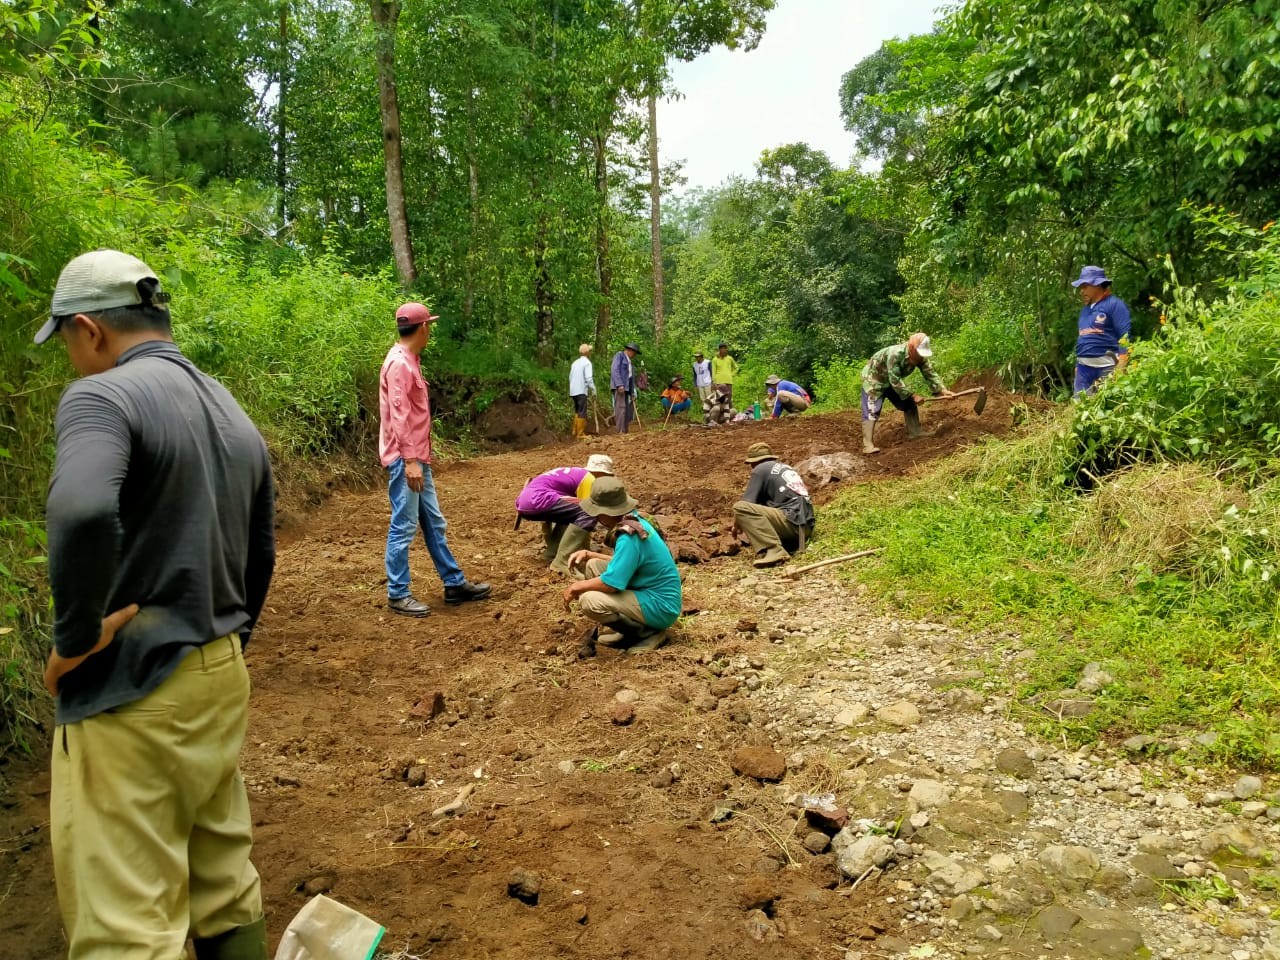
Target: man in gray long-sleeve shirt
x,y
161,548
622,383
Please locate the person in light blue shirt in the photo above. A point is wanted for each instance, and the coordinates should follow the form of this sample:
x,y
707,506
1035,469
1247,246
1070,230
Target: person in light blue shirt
x,y
582,382
787,397
634,595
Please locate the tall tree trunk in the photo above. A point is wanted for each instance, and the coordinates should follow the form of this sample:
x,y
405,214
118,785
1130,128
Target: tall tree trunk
x,y
282,86
604,271
544,312
473,195
385,14
655,220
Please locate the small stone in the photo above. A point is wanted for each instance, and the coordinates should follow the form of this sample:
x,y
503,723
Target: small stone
x,y
950,877
850,715
1253,809
1234,843
760,763
626,695
662,779
428,707
1013,762
901,714
856,855
1154,865
566,767
1001,863
1247,787
622,714
990,932
747,626
1073,864
316,885
927,795
829,820
416,776
705,703
524,885
817,842
760,928
1093,678
725,687
1056,922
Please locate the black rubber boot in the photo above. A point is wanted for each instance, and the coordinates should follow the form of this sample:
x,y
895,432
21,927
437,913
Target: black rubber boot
x,y
913,425
239,943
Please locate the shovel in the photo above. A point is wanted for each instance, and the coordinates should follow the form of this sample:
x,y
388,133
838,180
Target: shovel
x,y
978,406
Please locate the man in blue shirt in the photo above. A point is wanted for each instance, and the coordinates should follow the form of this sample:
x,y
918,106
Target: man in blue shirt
x,y
787,397
1104,328
636,592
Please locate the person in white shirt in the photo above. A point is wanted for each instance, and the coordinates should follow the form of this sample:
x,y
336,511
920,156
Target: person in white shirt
x,y
702,376
581,382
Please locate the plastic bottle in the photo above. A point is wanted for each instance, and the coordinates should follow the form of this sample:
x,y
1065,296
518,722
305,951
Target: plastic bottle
x,y
755,410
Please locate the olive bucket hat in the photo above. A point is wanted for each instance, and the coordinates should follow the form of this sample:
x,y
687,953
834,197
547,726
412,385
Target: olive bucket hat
x,y
759,452
609,498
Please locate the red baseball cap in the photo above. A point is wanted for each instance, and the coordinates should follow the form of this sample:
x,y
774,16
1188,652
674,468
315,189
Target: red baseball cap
x,y
414,313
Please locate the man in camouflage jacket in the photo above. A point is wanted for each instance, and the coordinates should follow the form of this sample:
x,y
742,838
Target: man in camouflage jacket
x,y
884,378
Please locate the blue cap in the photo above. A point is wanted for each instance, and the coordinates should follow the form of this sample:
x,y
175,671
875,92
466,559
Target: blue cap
x,y
1094,275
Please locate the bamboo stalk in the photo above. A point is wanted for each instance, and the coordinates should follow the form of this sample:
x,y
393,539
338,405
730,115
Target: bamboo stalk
x,y
793,574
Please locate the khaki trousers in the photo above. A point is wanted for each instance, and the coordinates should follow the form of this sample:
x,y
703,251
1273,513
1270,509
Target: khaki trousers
x,y
607,607
150,820
793,402
765,527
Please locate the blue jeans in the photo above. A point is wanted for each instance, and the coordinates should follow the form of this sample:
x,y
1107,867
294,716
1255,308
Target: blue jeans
x,y
1088,378
680,407
409,512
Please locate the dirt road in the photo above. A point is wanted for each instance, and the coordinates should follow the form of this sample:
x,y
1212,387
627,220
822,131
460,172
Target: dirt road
x,y
611,778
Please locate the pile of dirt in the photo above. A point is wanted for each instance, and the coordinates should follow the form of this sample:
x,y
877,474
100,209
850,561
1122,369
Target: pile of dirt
x,y
351,753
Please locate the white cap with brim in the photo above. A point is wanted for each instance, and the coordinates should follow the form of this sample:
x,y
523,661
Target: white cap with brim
x,y
923,348
600,463
98,280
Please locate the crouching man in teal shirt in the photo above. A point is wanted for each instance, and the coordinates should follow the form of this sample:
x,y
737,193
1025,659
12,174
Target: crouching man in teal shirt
x,y
634,595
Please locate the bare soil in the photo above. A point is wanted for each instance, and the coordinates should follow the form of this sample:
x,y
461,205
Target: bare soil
x,y
341,710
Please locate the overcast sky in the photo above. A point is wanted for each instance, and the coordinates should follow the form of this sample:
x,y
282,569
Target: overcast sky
x,y
787,90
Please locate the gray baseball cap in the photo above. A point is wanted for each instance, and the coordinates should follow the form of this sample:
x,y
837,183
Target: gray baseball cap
x,y
98,280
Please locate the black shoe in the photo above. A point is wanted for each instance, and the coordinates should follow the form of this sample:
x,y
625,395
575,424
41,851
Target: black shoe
x,y
408,607
465,591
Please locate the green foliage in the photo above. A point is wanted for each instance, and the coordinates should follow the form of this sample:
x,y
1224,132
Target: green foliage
x,y
791,268
1188,651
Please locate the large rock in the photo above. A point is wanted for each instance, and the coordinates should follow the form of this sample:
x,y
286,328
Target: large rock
x,y
1075,865
1056,921
951,877
1233,843
1154,865
762,763
831,468
1109,941
900,714
856,855
927,795
1013,762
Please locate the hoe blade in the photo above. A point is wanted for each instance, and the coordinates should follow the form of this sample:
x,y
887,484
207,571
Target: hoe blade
x,y
981,403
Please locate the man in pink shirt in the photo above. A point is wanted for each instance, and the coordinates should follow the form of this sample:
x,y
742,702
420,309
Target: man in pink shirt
x,y
404,444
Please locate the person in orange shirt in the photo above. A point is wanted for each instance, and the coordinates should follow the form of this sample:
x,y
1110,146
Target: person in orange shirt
x,y
674,399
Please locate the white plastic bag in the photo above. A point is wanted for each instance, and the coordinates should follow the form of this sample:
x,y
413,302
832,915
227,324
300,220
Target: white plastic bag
x,y
326,930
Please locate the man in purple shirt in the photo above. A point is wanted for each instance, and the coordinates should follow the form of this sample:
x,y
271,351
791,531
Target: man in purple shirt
x,y
555,498
1101,347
